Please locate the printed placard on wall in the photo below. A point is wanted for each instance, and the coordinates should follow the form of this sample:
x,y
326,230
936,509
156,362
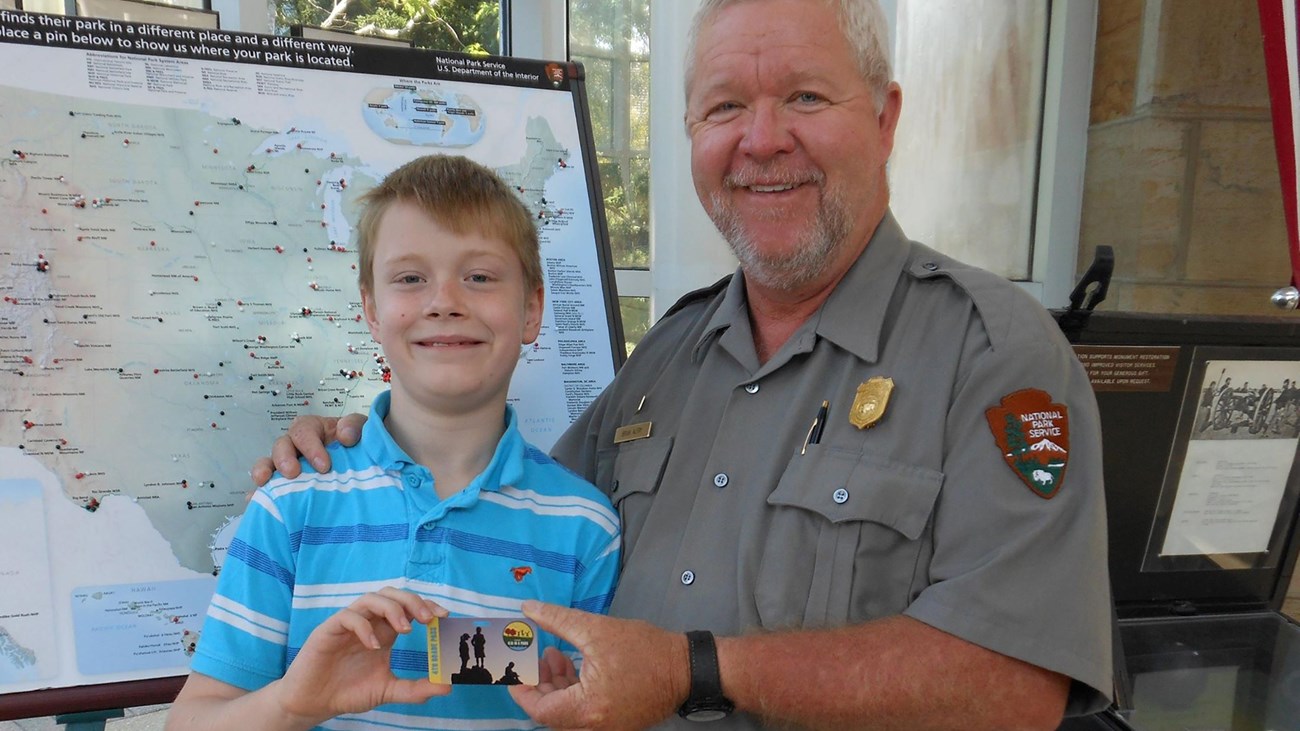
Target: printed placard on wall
x,y
1230,487
1239,454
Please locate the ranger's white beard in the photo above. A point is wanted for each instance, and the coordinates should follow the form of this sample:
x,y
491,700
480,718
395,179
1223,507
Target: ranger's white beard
x,y
810,258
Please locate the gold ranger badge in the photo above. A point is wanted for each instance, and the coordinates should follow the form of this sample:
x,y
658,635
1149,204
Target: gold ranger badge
x,y
870,402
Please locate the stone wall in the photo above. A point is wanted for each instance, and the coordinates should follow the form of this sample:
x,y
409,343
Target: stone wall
x,y
1181,175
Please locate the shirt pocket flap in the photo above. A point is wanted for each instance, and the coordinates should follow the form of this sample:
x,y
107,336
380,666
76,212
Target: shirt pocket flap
x,y
633,468
844,487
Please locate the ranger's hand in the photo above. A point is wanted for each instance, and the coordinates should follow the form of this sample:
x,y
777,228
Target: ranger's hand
x,y
307,437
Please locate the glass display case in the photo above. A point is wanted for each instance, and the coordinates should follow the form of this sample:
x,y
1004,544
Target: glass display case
x,y
1200,429
1214,672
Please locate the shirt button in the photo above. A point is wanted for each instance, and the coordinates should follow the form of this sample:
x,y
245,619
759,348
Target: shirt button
x,y
688,577
930,266
413,480
721,479
840,496
751,388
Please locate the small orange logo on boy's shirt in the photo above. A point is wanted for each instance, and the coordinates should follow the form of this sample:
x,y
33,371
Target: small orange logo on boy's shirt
x,y
521,571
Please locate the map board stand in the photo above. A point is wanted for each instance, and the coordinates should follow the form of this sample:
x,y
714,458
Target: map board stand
x,y
178,276
88,721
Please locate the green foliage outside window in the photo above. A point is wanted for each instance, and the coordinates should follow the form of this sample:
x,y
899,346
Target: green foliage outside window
x,y
611,38
467,26
635,312
627,196
610,23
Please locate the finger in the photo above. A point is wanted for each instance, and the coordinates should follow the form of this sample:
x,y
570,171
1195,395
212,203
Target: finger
x,y
415,691
351,621
285,457
557,668
527,696
547,702
413,605
564,681
529,699
546,673
557,710
309,435
573,625
545,670
349,429
388,605
557,681
262,470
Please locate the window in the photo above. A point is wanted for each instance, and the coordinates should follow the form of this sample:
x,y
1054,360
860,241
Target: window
x,y
965,164
1182,177
635,312
467,26
988,160
611,39
191,13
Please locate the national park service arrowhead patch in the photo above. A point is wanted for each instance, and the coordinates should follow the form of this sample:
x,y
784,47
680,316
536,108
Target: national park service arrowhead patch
x,y
1034,436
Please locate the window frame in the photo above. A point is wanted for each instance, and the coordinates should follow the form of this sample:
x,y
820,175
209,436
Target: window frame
x,y
628,282
686,252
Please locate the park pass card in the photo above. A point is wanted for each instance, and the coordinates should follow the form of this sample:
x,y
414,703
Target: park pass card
x,y
483,651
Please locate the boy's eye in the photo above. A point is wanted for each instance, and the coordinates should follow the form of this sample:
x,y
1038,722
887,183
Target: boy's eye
x,y
479,278
410,279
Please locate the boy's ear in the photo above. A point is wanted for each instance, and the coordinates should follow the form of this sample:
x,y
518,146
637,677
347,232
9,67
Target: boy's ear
x,y
372,319
534,303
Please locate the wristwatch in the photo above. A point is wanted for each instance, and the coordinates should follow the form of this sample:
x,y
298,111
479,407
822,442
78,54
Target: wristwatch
x,y
706,701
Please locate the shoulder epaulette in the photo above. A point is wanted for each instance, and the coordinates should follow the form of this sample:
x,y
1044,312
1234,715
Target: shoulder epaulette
x,y
699,295
1009,313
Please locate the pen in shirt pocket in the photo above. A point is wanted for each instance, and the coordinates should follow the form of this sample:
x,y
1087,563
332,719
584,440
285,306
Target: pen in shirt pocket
x,y
814,435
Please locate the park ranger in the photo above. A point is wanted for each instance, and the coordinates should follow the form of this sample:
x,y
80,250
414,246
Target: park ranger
x,y
860,482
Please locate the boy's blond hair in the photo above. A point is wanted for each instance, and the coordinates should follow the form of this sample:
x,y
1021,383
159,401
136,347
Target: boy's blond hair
x,y
459,194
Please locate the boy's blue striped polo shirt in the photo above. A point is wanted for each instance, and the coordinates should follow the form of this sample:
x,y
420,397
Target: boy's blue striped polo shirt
x,y
526,528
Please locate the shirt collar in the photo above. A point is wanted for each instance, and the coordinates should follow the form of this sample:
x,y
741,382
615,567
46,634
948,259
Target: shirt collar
x,y
505,468
851,318
732,315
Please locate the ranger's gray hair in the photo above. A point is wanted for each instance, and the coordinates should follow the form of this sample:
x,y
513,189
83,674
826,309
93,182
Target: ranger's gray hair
x,y
864,26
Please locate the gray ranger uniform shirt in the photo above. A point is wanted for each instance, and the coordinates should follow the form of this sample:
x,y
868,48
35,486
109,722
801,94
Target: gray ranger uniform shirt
x,y
730,523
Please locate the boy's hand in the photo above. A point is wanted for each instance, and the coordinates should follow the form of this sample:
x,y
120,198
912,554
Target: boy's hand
x,y
307,436
344,665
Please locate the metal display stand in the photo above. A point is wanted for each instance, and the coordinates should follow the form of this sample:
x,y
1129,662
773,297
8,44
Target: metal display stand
x,y
90,721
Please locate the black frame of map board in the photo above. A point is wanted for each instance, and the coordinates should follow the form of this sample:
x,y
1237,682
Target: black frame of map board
x,y
369,59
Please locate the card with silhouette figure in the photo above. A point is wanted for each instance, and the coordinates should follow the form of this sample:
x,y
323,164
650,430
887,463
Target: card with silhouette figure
x,y
483,651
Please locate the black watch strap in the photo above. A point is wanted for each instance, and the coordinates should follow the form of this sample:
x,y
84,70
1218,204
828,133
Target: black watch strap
x,y
706,701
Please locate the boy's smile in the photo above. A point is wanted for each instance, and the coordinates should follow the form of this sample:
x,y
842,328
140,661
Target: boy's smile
x,y
450,310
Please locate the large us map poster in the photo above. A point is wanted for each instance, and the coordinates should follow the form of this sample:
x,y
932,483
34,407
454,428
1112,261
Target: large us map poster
x,y
178,281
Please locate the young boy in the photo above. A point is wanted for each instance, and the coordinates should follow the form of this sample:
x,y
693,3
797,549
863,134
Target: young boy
x,y
441,507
